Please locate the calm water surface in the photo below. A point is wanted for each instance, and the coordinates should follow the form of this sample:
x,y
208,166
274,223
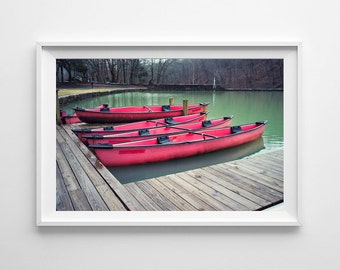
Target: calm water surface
x,y
247,107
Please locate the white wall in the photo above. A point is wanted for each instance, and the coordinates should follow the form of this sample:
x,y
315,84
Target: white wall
x,y
315,245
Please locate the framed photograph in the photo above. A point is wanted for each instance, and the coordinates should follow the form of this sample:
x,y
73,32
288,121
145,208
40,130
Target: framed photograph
x,y
119,144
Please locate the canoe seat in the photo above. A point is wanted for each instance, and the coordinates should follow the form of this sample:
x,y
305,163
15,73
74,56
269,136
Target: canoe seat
x,y
206,123
166,108
84,130
108,128
104,109
163,140
143,132
235,129
170,121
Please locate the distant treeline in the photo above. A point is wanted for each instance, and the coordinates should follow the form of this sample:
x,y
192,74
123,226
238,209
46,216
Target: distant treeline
x,y
228,73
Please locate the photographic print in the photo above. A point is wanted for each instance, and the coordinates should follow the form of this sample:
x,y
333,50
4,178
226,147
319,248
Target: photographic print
x,y
170,134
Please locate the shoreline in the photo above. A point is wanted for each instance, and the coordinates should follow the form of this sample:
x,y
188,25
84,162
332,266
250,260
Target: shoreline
x,y
101,91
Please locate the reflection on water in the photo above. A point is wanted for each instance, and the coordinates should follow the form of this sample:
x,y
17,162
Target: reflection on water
x,y
246,106
134,173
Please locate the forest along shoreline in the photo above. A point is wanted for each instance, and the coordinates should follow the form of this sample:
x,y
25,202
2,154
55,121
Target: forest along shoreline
x,y
68,93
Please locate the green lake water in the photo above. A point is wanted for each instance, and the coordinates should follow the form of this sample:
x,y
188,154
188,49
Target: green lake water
x,y
246,106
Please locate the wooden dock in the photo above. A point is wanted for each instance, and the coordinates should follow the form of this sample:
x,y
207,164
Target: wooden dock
x,y
84,184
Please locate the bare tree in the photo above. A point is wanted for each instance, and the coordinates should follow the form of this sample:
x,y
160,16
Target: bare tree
x,y
162,65
229,73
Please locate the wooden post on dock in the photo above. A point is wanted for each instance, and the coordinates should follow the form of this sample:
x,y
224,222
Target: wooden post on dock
x,y
171,101
57,108
185,107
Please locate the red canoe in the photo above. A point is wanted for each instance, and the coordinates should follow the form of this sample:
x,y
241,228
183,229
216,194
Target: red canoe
x,y
177,146
70,119
73,119
144,134
149,124
134,113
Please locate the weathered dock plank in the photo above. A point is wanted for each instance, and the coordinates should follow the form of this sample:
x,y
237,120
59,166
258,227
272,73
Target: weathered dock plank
x,y
211,174
250,172
119,190
247,182
88,183
185,194
77,196
86,171
232,186
144,200
178,201
64,202
272,160
235,200
162,201
199,193
84,181
268,169
217,192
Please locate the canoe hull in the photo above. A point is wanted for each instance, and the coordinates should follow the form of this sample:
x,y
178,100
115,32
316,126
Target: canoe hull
x,y
124,155
145,134
136,114
69,120
153,124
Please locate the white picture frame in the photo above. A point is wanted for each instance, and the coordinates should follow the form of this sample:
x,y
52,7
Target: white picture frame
x,y
48,52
